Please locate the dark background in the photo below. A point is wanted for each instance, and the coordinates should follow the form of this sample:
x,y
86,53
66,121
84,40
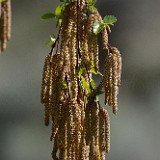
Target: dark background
x,y
134,131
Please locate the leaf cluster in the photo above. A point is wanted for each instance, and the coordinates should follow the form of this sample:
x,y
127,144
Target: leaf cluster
x,y
58,13
107,22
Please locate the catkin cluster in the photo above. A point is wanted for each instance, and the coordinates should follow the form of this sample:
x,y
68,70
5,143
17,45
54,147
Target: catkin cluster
x,y
80,126
5,23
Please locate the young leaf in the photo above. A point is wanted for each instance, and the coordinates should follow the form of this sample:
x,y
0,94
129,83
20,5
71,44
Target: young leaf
x,y
59,9
97,27
109,19
94,72
64,85
108,27
92,64
93,85
59,22
48,16
52,37
91,2
80,71
84,83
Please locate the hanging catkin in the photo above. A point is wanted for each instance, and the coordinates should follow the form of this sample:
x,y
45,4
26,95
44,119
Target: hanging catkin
x,y
5,23
112,76
80,126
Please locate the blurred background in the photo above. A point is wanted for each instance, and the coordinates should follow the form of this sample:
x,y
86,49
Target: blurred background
x,y
135,130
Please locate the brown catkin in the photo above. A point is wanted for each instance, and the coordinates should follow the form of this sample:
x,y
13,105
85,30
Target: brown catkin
x,y
93,42
70,130
62,134
101,130
3,30
116,74
107,77
54,130
104,139
55,148
95,122
104,39
0,9
114,82
88,125
47,115
46,80
107,129
119,65
8,17
112,77
5,23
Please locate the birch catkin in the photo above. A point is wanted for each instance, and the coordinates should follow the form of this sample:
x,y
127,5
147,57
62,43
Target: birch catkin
x,y
112,76
5,23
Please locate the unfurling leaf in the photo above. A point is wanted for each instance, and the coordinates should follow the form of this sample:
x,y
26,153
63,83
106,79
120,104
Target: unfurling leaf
x,y
53,38
48,16
109,19
97,27
59,9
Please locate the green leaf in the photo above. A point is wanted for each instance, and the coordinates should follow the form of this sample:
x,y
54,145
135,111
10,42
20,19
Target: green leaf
x,y
80,71
53,38
91,64
48,16
108,27
92,2
94,72
59,22
48,43
97,27
64,85
59,9
84,83
109,19
93,85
